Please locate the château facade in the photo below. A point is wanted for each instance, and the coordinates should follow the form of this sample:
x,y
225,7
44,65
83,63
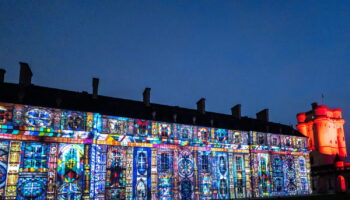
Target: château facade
x,y
57,144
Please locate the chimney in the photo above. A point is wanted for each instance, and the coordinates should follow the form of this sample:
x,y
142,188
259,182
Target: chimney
x,y
154,113
2,75
314,105
58,99
175,117
263,115
236,111
25,75
95,82
201,105
147,96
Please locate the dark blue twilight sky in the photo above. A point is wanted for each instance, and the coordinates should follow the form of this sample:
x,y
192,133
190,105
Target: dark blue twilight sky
x,y
278,54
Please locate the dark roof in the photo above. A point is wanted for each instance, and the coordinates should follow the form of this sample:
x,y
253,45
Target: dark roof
x,y
82,101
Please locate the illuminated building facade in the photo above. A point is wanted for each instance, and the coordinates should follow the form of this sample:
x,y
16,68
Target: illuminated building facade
x,y
57,144
324,128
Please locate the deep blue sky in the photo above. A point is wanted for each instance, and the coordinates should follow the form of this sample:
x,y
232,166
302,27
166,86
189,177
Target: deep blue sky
x,y
278,54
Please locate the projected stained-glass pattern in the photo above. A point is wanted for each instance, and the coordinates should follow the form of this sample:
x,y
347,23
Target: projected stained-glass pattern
x,y
277,175
32,172
239,178
290,176
70,171
116,173
221,178
98,161
205,171
4,150
142,173
185,168
165,174
12,173
52,154
52,168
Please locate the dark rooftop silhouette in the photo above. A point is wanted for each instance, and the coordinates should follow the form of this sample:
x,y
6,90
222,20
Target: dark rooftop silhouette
x,y
30,94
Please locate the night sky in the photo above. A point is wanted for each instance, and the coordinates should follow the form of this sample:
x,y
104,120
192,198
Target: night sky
x,y
281,55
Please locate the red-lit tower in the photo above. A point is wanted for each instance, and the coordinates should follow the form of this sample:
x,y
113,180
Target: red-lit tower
x,y
325,129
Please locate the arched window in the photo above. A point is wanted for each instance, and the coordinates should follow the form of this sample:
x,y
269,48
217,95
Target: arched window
x,y
341,183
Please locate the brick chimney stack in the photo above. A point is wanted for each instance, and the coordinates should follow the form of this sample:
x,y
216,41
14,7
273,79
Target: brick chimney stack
x,y
95,82
147,96
201,105
25,75
2,75
236,111
263,115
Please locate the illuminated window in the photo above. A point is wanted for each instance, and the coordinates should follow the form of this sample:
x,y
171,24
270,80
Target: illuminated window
x,y
205,163
239,186
237,139
261,139
277,164
164,130
302,164
35,157
239,163
38,118
341,183
303,182
263,164
299,143
164,162
185,133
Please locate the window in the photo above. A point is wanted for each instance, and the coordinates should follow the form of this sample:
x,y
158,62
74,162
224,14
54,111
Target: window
x,y
278,184
237,139
240,186
164,162
185,133
274,141
299,143
239,163
288,142
261,139
205,163
142,128
302,164
330,183
303,182
263,164
164,132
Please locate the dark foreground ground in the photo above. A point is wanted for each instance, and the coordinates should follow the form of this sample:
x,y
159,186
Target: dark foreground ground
x,y
312,197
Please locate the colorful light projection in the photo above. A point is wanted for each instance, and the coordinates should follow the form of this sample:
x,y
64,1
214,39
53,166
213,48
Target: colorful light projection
x,y
58,154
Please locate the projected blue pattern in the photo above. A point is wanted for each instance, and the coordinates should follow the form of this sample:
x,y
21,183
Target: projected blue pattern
x,y
31,188
62,154
186,174
142,173
38,117
205,173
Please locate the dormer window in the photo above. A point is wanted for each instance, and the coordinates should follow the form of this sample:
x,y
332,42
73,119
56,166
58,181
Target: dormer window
x,y
261,139
288,142
274,141
237,138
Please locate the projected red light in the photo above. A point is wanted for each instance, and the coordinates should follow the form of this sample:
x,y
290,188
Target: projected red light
x,y
324,128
